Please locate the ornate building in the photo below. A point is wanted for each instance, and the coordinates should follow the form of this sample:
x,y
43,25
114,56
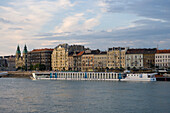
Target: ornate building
x,y
21,61
60,56
116,57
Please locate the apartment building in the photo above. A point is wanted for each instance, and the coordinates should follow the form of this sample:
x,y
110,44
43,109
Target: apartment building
x,y
88,60
162,58
100,60
40,56
116,57
60,56
140,58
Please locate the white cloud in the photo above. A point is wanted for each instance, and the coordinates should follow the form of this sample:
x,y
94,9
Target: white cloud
x,y
77,23
30,16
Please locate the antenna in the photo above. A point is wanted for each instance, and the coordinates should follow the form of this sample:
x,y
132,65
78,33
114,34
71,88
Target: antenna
x,y
157,46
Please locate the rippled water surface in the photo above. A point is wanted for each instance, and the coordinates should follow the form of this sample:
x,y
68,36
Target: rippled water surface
x,y
25,95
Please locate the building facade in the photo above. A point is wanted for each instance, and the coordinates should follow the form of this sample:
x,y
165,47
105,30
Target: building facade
x,y
3,64
11,63
162,58
149,58
100,60
40,57
60,56
116,57
140,58
134,58
87,60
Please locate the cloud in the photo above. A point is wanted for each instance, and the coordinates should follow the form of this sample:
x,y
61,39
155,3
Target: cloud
x,y
141,34
21,20
157,9
77,24
95,24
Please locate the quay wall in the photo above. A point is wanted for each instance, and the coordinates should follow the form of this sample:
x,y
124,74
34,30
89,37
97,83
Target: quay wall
x,y
18,74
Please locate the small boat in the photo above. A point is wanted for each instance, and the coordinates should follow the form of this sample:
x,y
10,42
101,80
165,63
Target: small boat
x,y
140,77
3,73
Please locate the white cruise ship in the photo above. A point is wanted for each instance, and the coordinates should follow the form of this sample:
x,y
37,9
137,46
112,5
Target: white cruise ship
x,y
108,76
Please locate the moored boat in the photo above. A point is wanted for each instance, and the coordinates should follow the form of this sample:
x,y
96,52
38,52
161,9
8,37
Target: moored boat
x,y
108,76
140,77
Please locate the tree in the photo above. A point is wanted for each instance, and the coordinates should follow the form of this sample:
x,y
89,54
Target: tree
x,y
31,67
40,67
19,68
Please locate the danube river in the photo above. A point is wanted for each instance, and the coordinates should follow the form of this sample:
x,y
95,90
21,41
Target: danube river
x,y
24,95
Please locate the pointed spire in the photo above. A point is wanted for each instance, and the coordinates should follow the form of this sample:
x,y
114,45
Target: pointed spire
x,y
25,49
18,50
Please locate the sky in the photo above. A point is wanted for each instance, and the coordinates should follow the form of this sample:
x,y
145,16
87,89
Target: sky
x,y
97,24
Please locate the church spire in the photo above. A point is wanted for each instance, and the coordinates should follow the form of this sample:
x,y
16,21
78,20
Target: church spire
x,y
25,49
18,50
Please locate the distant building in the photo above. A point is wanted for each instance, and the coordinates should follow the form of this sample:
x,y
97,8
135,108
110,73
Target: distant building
x,y
60,56
100,60
162,58
87,60
78,61
7,63
149,58
70,61
140,58
74,61
116,57
134,58
11,63
40,56
3,64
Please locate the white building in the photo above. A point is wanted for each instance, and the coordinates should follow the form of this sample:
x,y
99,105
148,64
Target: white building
x,y
162,58
134,58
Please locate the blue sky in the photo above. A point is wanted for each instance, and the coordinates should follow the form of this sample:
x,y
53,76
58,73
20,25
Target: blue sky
x,y
93,23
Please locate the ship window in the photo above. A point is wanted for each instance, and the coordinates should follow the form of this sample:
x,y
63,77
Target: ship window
x,y
140,76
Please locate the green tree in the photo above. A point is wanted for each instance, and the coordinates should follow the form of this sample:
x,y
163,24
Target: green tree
x,y
42,67
31,67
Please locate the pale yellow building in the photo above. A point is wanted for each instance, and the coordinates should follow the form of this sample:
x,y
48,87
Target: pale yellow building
x,y
116,57
87,60
100,60
60,56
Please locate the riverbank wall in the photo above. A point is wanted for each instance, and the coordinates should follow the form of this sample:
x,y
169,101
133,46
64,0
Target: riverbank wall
x,y
18,74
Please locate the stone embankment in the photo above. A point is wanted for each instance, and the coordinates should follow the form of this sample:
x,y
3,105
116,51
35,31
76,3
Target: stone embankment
x,y
18,74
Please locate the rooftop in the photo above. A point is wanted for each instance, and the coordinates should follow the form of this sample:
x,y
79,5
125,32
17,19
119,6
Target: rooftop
x,y
163,51
44,49
141,51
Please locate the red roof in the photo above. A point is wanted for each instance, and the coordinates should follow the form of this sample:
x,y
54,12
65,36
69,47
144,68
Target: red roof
x,y
45,49
163,51
79,54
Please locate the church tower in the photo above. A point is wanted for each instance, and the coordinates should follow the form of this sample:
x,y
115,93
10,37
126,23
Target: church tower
x,y
18,53
25,56
18,58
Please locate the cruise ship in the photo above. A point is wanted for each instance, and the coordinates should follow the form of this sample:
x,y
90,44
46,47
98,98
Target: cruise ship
x,y
107,76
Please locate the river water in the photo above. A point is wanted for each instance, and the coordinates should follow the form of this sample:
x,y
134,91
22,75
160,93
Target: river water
x,y
24,95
